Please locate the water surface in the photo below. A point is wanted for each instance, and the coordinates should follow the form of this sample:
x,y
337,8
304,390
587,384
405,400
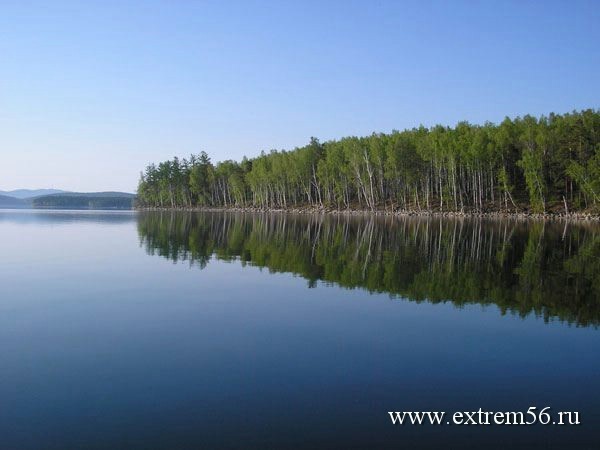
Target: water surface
x,y
181,330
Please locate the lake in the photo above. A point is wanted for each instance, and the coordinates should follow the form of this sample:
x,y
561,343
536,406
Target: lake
x,y
166,330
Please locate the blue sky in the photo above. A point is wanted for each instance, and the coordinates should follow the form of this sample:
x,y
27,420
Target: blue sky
x,y
92,92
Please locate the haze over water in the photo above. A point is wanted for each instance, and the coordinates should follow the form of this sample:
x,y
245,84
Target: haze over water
x,y
190,330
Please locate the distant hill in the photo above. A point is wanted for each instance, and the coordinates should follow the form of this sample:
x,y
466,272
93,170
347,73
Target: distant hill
x,y
85,200
12,202
30,193
66,200
110,194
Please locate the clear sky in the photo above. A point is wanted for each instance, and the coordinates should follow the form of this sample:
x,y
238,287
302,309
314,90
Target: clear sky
x,y
92,92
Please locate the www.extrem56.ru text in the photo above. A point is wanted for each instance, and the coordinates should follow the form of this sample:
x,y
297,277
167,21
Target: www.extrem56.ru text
x,y
532,416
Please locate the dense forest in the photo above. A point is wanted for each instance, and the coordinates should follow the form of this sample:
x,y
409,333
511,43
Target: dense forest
x,y
536,164
544,268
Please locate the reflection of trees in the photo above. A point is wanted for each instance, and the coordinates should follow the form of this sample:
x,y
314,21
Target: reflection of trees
x,y
544,268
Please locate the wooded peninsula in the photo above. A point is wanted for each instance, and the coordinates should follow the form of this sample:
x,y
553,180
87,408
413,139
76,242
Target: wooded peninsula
x,y
525,164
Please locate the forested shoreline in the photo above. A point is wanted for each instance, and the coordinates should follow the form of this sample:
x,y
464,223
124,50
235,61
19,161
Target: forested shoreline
x,y
74,200
536,165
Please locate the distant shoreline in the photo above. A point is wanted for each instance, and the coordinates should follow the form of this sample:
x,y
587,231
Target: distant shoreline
x,y
580,216
71,200
60,208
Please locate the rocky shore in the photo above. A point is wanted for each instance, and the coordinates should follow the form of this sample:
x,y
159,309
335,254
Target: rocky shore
x,y
580,216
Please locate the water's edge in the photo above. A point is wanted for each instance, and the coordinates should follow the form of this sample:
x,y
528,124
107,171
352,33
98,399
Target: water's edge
x,y
550,216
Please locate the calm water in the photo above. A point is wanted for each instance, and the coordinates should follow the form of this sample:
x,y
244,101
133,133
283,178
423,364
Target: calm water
x,y
177,331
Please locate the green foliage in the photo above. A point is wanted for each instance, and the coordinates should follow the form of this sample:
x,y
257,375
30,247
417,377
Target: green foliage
x,y
526,163
587,177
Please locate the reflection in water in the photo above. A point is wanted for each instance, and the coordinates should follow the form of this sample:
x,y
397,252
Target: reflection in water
x,y
550,269
60,216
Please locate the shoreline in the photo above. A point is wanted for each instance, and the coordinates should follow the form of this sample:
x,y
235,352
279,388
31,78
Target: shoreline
x,y
549,216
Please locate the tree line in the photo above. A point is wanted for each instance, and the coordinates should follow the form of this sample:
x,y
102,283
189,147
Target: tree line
x,y
527,163
543,268
84,201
